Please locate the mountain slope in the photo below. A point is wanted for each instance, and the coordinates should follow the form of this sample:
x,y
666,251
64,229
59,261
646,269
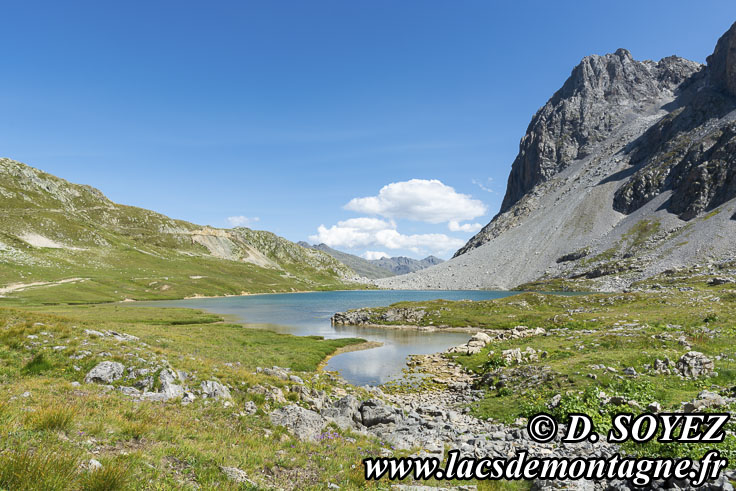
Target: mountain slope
x,y
52,230
404,265
627,171
363,267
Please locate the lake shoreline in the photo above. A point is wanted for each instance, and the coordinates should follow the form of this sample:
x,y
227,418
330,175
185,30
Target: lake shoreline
x,y
348,349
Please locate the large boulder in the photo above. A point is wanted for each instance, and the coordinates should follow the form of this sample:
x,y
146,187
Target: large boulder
x,y
105,373
705,400
482,338
304,424
374,412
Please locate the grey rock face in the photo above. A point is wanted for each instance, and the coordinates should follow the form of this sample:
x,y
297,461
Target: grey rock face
x,y
722,63
694,364
105,372
345,412
591,103
302,423
685,154
215,390
169,388
375,412
623,143
599,96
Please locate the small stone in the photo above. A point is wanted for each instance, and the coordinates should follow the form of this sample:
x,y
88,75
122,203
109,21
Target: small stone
x,y
654,407
237,475
250,407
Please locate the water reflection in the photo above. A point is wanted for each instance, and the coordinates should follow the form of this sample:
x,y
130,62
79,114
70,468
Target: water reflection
x,y
309,314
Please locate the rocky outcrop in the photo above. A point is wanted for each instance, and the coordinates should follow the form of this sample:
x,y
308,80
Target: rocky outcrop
x,y
694,364
170,388
304,424
392,316
214,390
722,63
105,372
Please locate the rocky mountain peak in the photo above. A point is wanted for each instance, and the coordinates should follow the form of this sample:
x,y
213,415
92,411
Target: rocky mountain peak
x,y
627,171
601,93
722,63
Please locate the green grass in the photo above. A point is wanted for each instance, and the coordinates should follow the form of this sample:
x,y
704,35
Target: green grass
x,y
53,419
48,427
37,365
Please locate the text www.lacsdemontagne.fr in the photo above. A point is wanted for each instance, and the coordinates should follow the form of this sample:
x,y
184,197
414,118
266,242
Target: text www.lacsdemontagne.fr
x,y
640,471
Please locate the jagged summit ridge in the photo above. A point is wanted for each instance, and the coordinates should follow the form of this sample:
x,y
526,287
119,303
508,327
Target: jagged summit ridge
x,y
602,94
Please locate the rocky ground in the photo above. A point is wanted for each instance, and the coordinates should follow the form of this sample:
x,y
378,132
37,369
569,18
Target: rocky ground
x,y
429,421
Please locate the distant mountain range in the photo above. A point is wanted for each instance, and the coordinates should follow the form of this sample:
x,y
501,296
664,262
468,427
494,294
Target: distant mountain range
x,y
403,265
376,268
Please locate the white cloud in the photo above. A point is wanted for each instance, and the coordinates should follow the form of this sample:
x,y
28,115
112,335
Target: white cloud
x,y
465,227
372,255
242,221
421,200
371,232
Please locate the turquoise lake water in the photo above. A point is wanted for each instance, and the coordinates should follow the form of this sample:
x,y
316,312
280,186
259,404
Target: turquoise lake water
x,y
305,314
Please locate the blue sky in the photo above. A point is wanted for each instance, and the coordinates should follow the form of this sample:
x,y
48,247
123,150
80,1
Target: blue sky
x,y
287,111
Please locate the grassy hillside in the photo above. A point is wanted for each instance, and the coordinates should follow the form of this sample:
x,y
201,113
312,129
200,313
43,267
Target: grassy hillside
x,y
52,426
63,242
